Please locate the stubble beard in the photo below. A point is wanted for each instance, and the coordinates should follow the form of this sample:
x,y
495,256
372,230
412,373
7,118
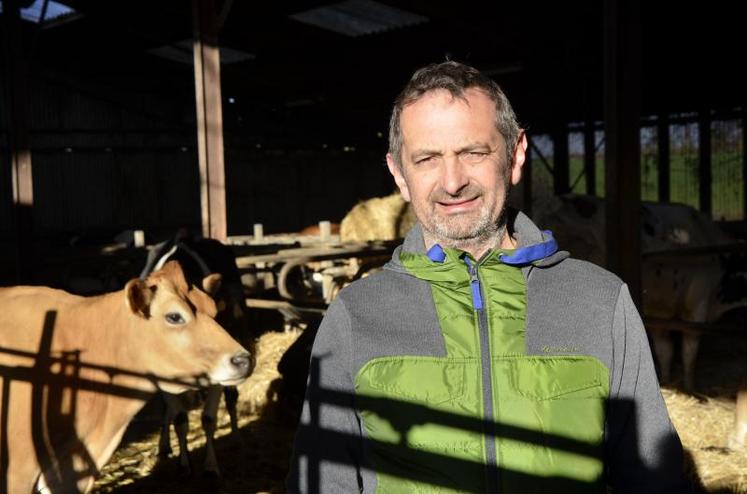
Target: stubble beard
x,y
463,231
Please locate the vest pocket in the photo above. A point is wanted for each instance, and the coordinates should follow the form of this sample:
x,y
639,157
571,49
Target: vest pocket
x,y
558,378
420,415
415,379
550,415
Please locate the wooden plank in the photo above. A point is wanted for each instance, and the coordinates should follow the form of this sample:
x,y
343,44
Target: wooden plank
x,y
622,141
655,324
317,254
209,120
704,163
707,251
663,166
263,303
16,67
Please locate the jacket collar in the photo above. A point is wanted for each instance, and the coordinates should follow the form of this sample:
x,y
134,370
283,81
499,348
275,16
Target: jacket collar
x,y
534,247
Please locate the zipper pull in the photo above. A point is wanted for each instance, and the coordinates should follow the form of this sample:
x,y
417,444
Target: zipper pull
x,y
474,284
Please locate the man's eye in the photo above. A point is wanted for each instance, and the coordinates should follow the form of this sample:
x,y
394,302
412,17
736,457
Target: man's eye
x,y
474,156
424,159
174,318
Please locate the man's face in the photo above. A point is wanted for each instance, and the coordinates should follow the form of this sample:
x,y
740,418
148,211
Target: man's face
x,y
454,166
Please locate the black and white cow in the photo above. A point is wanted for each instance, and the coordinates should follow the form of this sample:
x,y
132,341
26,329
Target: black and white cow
x,y
707,287
200,257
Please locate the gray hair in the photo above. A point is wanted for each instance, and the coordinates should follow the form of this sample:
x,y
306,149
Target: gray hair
x,y
455,78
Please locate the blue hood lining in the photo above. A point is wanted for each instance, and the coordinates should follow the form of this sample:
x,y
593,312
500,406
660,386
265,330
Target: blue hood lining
x,y
532,253
521,256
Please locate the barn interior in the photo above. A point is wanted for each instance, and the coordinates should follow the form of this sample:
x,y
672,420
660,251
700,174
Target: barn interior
x,y
115,120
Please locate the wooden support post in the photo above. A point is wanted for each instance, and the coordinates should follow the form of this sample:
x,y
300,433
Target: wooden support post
x,y
623,143
739,438
704,164
561,169
209,120
663,165
744,161
16,98
590,155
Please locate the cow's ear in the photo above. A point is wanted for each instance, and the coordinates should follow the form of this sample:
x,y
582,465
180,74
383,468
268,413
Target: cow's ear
x,y
211,283
139,296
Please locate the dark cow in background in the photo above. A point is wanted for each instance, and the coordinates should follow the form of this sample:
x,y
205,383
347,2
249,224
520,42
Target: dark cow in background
x,y
707,287
201,257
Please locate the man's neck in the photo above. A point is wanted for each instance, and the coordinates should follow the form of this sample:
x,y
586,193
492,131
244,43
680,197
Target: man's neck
x,y
476,247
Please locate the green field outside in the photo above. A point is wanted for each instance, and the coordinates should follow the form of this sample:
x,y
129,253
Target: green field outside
x,y
727,168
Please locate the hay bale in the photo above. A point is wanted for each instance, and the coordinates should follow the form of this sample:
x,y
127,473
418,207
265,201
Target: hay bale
x,y
379,218
256,391
704,425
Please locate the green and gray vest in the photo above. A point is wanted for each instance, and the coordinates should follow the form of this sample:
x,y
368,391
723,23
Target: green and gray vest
x,y
515,405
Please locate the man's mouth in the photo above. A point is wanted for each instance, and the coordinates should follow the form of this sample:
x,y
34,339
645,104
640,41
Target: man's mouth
x,y
457,205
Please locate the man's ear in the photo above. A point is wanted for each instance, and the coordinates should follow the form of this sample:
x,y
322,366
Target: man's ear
x,y
139,297
399,179
519,157
211,283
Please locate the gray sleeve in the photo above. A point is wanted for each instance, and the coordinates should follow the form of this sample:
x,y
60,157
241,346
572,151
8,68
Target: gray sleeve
x,y
643,453
327,448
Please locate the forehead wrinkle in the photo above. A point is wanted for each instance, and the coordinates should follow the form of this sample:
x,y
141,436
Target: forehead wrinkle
x,y
437,120
470,144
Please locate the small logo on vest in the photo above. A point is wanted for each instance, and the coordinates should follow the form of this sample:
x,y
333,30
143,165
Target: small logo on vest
x,y
560,349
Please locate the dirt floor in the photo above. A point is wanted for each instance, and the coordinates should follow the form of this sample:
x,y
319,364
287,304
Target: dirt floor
x,y
704,421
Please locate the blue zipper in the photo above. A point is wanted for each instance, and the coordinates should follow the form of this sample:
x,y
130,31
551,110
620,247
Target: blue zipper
x,y
491,452
474,283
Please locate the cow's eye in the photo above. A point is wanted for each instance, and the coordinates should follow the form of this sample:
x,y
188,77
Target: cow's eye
x,y
174,318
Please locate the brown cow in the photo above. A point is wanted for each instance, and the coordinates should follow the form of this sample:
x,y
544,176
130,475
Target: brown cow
x,y
75,370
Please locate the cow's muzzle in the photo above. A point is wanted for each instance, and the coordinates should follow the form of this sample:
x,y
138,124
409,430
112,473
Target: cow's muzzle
x,y
243,362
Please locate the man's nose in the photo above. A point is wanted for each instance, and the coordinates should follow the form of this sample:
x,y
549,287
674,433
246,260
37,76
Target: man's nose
x,y
454,177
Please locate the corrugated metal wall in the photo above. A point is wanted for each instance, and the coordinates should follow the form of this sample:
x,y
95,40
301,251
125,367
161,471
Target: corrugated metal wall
x,y
106,161
288,190
110,162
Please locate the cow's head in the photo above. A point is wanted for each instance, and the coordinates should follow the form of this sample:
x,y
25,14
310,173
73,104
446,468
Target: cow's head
x,y
180,338
231,309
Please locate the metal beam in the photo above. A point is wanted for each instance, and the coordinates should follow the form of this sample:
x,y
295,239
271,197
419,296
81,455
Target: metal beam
x,y
663,165
16,98
209,120
561,168
590,155
704,163
623,144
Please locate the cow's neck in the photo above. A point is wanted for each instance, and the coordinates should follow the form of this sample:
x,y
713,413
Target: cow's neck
x,y
117,375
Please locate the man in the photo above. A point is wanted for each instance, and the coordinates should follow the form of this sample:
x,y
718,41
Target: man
x,y
482,358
